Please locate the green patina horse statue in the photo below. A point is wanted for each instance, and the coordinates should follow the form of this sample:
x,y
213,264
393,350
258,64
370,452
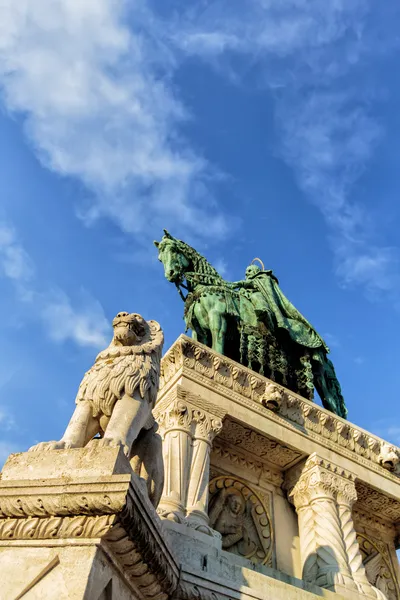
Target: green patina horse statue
x,y
252,322
210,305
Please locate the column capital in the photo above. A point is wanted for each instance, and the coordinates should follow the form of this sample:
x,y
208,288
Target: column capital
x,y
318,477
183,410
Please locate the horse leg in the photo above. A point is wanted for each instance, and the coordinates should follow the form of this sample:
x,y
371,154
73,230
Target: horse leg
x,y
201,314
218,327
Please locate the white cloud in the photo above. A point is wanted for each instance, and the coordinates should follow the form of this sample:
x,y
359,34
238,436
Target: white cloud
x,y
14,261
99,105
84,324
305,53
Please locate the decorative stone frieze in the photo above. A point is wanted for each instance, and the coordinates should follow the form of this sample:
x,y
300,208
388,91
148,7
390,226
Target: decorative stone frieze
x,y
194,360
188,425
262,447
376,502
110,512
323,494
224,453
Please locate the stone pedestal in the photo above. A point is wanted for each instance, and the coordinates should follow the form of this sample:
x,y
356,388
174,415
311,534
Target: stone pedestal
x,y
267,496
300,503
77,524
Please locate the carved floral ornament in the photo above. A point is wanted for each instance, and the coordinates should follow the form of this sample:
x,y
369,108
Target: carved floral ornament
x,y
247,387
240,516
188,412
378,566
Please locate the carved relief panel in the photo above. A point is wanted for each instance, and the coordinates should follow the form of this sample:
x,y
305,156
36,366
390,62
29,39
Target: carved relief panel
x,y
378,566
239,514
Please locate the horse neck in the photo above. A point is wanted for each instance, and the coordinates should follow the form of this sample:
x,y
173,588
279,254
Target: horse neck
x,y
201,266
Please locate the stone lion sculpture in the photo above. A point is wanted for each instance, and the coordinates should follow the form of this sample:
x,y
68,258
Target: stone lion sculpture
x,y
116,397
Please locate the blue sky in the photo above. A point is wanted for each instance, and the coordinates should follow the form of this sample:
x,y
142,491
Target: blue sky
x,y
262,128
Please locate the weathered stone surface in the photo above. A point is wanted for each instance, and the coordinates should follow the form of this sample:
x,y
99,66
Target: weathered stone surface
x,y
258,448
66,464
104,522
79,521
116,397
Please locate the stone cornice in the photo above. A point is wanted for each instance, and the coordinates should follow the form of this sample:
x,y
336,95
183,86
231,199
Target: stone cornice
x,y
55,497
196,361
114,510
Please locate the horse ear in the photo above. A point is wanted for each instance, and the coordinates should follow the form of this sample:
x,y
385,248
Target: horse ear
x,y
156,244
167,234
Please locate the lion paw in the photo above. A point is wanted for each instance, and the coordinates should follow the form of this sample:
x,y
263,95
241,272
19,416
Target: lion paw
x,y
109,442
43,446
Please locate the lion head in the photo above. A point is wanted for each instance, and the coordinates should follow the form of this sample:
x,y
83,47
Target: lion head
x,y
129,329
131,362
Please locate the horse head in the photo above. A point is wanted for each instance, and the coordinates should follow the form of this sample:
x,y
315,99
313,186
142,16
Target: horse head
x,y
171,252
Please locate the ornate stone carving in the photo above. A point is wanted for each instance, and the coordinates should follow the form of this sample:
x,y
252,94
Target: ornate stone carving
x,y
372,522
232,380
323,494
261,446
262,471
378,567
388,457
376,502
41,528
240,516
115,512
116,397
272,397
188,425
189,591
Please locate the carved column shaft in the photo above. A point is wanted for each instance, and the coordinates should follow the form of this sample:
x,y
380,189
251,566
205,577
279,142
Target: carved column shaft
x,y
175,428
345,503
187,431
197,504
320,491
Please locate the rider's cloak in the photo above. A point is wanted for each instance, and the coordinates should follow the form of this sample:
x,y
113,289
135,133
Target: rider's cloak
x,y
286,315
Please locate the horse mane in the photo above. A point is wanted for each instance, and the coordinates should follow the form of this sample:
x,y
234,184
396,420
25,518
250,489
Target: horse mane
x,y
199,262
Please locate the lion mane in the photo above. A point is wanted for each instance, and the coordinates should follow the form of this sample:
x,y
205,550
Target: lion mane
x,y
120,370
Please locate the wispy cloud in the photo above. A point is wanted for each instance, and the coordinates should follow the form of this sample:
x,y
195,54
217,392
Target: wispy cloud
x,y
14,261
98,104
85,323
307,55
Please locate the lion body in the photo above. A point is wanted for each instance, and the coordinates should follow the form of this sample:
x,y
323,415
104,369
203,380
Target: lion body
x,y
116,397
117,373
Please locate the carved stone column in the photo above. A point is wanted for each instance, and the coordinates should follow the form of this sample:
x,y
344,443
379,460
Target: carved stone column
x,y
175,427
207,427
188,424
323,494
345,503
